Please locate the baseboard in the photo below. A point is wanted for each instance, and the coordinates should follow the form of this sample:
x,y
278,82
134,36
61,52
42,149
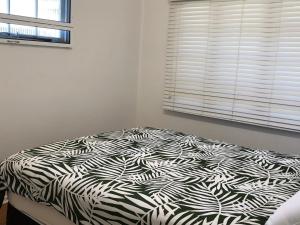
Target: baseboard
x,y
5,201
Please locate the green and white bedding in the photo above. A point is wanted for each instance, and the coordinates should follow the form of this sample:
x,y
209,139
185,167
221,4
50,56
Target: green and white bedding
x,y
154,177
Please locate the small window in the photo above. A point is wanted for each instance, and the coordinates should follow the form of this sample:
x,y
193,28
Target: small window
x,y
35,21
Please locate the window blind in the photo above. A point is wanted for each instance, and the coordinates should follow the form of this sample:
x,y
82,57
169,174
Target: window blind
x,y
236,60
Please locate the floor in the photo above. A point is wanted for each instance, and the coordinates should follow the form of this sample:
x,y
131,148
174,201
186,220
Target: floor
x,y
3,211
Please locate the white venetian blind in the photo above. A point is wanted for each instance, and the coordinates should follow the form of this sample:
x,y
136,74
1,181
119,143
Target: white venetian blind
x,y
236,60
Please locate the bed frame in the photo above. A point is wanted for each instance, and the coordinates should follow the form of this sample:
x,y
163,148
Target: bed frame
x,y
15,217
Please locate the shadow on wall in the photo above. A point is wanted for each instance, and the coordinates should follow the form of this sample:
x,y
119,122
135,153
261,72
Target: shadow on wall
x,y
234,124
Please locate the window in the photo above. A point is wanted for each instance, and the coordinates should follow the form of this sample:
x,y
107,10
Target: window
x,y
35,21
237,60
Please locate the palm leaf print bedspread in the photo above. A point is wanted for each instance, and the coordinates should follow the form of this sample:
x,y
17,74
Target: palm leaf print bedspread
x,y
154,177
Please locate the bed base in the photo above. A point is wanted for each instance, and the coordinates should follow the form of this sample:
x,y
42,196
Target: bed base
x,y
15,217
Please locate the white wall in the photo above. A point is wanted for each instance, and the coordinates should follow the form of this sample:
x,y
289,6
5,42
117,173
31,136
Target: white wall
x,y
150,94
48,94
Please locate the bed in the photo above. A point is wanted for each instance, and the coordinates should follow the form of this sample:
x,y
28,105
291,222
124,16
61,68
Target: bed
x,y
151,176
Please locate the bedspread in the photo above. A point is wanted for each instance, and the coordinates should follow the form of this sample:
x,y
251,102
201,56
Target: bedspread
x,y
153,176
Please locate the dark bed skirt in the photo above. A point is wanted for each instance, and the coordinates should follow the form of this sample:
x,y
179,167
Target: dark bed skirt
x,y
15,217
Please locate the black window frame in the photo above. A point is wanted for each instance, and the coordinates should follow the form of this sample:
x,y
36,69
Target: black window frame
x,y
65,34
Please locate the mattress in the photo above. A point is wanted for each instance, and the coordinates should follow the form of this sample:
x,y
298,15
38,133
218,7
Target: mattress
x,y
287,214
153,176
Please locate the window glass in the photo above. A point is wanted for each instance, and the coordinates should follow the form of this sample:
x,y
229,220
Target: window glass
x,y
3,28
3,6
23,7
57,10
50,9
21,32
45,32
